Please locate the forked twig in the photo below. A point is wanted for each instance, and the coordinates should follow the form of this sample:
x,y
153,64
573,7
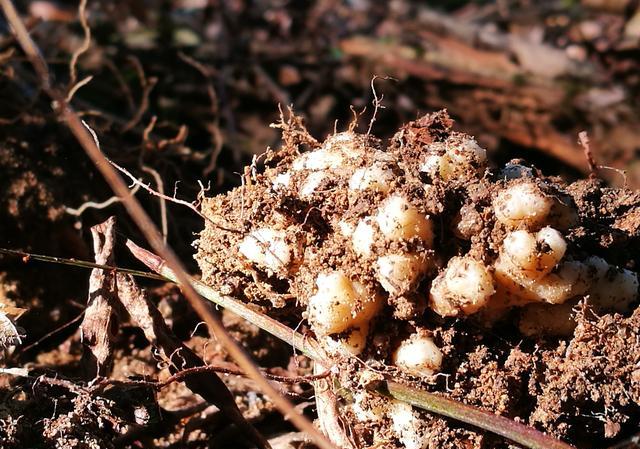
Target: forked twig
x,y
377,102
172,199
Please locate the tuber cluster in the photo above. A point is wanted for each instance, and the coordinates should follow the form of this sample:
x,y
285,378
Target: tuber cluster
x,y
379,245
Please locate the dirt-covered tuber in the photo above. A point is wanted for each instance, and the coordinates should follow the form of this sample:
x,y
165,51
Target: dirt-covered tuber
x,y
341,303
465,286
418,355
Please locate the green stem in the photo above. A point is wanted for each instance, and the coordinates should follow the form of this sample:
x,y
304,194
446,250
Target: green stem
x,y
500,425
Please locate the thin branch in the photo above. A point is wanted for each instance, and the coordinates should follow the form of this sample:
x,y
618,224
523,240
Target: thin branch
x,y
97,385
583,139
172,199
179,139
181,375
217,139
377,102
48,335
77,86
147,85
161,195
500,425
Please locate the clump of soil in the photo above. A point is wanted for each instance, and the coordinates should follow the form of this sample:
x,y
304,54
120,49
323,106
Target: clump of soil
x,y
502,288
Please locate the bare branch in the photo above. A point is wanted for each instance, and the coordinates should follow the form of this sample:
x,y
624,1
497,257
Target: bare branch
x,y
161,195
172,199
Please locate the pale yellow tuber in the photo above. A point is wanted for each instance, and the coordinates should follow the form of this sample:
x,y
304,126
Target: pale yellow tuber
x,y
376,177
340,303
363,236
400,273
522,204
614,288
398,220
418,355
534,255
465,286
407,425
450,160
311,184
267,248
351,342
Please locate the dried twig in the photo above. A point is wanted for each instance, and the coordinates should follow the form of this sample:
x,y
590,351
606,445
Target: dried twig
x,y
160,195
179,376
77,86
583,140
100,317
191,205
26,257
164,226
50,334
151,232
217,139
179,139
377,102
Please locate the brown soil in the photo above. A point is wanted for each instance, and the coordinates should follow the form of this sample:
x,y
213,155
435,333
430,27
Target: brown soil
x,y
188,88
